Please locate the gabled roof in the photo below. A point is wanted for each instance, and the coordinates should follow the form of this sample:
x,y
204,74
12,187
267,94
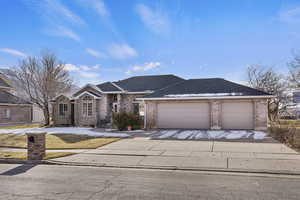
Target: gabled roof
x,y
8,98
147,83
108,87
3,82
211,87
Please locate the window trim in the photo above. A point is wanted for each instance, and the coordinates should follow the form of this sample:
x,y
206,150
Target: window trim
x,y
62,109
87,107
7,113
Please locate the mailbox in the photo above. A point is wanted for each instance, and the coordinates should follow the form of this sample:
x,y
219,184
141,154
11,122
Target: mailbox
x,y
36,145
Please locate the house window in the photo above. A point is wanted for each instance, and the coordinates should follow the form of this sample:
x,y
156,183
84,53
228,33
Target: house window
x,y
87,106
115,98
63,108
7,113
115,107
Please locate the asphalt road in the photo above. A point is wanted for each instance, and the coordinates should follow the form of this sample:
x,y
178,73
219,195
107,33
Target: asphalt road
x,y
67,182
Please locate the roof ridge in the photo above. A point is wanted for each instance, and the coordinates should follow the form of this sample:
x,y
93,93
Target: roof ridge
x,y
147,76
116,85
169,86
246,86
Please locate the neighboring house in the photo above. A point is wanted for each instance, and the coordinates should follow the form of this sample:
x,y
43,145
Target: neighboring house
x,y
292,109
167,101
13,110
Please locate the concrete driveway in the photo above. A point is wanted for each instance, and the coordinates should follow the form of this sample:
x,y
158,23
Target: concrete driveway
x,y
208,155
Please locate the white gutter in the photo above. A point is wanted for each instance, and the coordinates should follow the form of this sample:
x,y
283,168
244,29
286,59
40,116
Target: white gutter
x,y
11,104
142,92
145,115
216,97
88,93
113,92
9,88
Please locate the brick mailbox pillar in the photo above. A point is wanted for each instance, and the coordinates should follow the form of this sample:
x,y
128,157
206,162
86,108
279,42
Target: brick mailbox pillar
x,y
36,145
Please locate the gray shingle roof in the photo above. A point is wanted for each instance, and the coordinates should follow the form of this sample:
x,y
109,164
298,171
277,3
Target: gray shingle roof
x,y
146,83
3,83
108,87
8,98
205,87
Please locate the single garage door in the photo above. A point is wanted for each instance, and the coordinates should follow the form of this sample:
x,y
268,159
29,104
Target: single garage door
x,y
237,115
183,115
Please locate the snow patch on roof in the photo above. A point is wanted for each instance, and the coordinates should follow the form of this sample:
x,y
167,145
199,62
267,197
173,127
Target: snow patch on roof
x,y
205,94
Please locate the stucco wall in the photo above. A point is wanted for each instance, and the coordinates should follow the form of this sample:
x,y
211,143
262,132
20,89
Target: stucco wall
x,y
19,114
259,106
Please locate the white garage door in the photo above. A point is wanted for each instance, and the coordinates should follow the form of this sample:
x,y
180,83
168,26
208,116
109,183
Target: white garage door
x,y
183,115
237,115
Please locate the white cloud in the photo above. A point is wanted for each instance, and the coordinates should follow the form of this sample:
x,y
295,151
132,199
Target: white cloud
x,y
97,5
84,74
13,52
64,32
154,20
144,67
121,51
95,53
54,11
80,68
290,15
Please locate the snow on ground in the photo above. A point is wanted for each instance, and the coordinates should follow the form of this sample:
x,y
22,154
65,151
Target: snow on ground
x,y
209,134
258,135
184,135
162,134
166,134
64,130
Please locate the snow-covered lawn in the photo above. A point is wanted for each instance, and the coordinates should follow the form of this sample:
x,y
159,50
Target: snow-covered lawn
x,y
161,134
208,134
65,130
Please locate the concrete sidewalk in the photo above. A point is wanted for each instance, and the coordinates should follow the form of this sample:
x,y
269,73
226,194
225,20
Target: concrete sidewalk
x,y
201,155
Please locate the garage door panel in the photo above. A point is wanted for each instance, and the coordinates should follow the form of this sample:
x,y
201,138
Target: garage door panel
x,y
183,115
237,115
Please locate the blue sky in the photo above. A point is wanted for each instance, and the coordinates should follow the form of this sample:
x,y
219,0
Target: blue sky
x,y
107,40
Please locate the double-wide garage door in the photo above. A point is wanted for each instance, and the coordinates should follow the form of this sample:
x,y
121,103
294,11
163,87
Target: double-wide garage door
x,y
183,115
234,115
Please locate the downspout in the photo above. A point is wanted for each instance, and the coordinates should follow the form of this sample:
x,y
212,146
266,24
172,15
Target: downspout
x,y
145,115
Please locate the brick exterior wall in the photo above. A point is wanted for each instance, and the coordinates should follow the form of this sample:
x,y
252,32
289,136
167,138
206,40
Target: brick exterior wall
x,y
150,114
261,114
18,114
259,106
215,114
127,101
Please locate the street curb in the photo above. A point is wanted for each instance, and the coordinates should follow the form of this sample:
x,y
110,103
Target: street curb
x,y
251,171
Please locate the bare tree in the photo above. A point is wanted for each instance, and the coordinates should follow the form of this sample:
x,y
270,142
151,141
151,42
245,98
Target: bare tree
x,y
41,79
267,80
294,68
